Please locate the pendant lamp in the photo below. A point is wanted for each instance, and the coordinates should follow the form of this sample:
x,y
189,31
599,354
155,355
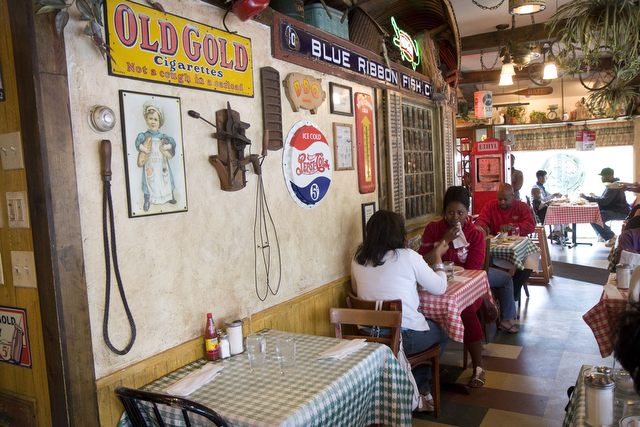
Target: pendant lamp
x,y
550,71
505,80
526,7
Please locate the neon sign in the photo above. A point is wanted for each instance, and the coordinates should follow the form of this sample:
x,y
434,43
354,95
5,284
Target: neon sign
x,y
408,46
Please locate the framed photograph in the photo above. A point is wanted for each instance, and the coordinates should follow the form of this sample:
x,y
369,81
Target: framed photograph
x,y
153,153
343,145
341,99
368,209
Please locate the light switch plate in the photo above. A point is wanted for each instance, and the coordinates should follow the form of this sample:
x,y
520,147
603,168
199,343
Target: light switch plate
x,y
23,267
11,151
17,209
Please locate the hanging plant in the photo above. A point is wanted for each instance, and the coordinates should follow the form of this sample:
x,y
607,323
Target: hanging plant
x,y
463,110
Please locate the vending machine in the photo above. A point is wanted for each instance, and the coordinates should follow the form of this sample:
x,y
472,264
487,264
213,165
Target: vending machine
x,y
490,166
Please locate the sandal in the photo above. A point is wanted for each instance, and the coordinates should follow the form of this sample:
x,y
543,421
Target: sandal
x,y
512,330
477,380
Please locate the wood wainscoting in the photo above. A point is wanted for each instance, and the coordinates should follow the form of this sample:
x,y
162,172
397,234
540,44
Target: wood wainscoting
x,y
306,314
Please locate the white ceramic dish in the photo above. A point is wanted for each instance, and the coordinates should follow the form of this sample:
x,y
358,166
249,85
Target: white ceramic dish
x,y
630,421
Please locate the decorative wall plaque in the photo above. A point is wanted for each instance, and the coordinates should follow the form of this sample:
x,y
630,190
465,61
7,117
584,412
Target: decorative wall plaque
x,y
304,91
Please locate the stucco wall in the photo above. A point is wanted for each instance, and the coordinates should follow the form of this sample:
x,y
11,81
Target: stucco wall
x,y
178,267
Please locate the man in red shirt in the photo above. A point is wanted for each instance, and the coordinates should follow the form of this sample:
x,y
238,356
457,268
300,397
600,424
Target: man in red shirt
x,y
503,215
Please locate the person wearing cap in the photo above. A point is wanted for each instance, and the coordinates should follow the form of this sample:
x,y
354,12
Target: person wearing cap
x,y
613,205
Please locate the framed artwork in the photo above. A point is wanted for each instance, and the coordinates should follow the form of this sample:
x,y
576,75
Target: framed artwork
x,y
368,209
341,99
343,145
153,153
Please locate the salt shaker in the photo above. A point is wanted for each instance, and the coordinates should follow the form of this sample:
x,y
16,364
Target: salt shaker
x,y
224,346
599,386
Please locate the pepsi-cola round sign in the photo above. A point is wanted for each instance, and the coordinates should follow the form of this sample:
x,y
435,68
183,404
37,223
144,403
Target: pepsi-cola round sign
x,y
307,164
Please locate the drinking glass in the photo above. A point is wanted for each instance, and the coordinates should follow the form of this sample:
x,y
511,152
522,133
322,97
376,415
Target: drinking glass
x,y
515,231
449,268
257,352
286,353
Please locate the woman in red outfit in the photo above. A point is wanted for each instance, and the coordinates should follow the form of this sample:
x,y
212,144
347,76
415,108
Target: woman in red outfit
x,y
469,255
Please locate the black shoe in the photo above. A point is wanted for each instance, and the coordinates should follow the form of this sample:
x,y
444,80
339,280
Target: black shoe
x,y
146,206
173,201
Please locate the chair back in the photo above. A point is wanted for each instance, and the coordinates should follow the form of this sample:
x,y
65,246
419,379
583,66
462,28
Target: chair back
x,y
391,320
534,211
389,305
142,409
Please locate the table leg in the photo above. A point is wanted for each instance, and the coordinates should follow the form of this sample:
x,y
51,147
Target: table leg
x,y
573,239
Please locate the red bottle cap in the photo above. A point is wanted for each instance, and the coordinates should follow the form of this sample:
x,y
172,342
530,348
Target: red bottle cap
x,y
209,315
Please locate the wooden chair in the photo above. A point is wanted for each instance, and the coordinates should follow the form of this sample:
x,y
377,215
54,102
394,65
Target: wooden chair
x,y
539,237
428,357
142,409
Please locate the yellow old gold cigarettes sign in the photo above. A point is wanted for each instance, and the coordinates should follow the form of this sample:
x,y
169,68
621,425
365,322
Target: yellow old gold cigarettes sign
x,y
155,46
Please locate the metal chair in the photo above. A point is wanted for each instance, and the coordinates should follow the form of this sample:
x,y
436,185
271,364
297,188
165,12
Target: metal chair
x,y
142,409
428,357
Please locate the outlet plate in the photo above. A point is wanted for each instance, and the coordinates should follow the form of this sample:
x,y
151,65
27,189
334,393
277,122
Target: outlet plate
x,y
11,151
17,209
23,267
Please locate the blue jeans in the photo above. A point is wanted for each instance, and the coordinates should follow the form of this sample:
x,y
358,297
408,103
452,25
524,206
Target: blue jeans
x,y
417,341
501,285
605,232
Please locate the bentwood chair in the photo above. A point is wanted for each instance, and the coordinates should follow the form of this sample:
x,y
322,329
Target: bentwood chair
x,y
142,409
428,357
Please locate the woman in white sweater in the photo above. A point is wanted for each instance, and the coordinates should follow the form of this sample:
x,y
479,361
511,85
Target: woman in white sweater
x,y
384,269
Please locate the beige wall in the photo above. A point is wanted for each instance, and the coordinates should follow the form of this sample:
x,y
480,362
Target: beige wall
x,y
178,267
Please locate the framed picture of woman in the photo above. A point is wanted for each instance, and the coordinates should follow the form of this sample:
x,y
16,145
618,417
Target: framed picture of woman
x,y
153,153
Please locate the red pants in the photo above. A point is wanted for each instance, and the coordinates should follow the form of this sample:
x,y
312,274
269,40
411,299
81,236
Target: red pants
x,y
472,328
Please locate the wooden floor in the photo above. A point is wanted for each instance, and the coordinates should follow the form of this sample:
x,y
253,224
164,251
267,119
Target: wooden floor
x,y
527,374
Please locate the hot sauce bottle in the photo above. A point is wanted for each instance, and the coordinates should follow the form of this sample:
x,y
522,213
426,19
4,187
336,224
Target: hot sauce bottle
x,y
211,339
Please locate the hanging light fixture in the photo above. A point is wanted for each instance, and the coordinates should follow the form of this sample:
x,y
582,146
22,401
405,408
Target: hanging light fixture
x,y
526,7
505,80
550,71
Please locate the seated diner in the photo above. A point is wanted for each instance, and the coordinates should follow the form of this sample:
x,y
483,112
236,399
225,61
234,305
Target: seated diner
x,y
384,269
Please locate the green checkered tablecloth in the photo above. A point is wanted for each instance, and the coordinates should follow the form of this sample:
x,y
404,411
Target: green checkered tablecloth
x,y
575,412
366,387
514,251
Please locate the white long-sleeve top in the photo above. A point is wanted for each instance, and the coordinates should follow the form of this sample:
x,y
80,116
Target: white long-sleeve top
x,y
397,278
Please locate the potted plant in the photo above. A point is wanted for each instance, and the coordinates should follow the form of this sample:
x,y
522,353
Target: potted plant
x,y
514,114
537,116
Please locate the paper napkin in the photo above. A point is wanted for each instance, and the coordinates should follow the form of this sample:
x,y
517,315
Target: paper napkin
x,y
460,241
612,292
195,380
343,349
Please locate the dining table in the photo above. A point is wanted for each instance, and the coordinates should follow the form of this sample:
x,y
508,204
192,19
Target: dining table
x,y
573,213
465,287
515,252
604,317
366,387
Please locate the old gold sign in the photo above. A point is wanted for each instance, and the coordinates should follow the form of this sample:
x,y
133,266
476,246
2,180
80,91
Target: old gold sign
x,y
155,46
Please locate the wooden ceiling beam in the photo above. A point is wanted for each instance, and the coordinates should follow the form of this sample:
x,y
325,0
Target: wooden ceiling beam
x,y
492,76
491,41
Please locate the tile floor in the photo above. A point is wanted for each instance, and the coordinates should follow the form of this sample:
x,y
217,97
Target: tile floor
x,y
527,374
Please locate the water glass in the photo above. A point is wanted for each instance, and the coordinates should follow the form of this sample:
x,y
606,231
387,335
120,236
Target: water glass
x,y
449,268
515,231
257,352
286,353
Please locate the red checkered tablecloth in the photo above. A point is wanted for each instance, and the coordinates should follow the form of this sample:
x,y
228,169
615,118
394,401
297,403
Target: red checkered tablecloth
x,y
604,318
573,214
468,286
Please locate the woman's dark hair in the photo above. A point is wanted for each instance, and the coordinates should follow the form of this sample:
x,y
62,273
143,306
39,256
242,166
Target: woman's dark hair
x,y
627,346
385,232
455,194
632,223
541,173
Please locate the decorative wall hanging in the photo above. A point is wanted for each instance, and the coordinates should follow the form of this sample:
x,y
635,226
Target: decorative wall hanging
x,y
365,143
304,91
408,47
368,209
153,153
150,45
307,164
272,107
343,143
340,99
14,337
